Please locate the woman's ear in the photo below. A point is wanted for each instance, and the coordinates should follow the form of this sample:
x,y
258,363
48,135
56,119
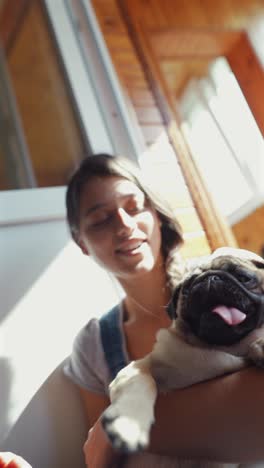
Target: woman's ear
x,y
83,247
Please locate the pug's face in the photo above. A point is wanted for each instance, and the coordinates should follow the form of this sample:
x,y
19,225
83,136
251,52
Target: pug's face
x,y
222,300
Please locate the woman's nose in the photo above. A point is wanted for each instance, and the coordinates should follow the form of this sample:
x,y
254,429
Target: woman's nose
x,y
126,222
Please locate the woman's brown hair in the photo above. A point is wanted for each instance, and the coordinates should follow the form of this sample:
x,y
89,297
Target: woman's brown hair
x,y
105,165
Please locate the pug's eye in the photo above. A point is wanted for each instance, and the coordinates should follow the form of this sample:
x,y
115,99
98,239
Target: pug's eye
x,y
245,278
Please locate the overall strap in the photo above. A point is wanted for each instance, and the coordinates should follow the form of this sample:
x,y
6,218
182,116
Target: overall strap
x,y
111,338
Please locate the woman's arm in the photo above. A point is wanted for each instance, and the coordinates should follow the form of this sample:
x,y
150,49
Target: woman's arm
x,y
221,419
94,404
97,449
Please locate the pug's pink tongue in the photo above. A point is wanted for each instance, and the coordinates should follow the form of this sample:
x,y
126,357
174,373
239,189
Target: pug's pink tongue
x,y
230,315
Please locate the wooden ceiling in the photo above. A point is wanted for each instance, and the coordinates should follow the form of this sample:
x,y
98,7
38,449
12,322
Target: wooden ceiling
x,y
212,14
178,39
186,35
186,53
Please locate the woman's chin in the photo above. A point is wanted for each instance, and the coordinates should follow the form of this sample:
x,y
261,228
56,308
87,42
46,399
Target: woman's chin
x,y
138,269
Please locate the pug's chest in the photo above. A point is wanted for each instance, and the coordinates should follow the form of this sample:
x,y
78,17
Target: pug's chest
x,y
176,363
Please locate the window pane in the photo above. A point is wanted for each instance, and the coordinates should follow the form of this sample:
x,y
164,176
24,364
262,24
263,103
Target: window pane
x,y
222,175
53,141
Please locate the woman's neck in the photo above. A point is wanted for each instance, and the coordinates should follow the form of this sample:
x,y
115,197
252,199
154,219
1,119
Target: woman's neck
x,y
147,295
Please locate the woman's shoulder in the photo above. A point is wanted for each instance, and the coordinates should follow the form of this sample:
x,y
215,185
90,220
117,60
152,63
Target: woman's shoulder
x,y
90,335
87,365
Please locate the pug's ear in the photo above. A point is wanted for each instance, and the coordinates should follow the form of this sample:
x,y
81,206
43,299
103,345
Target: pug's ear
x,y
172,305
259,263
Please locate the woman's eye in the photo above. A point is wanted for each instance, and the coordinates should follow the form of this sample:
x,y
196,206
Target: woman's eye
x,y
136,208
100,222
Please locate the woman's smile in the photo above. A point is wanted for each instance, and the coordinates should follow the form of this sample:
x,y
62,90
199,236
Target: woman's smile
x,y
131,247
119,227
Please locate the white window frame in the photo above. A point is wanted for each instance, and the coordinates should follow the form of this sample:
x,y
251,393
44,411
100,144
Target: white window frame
x,y
99,101
185,104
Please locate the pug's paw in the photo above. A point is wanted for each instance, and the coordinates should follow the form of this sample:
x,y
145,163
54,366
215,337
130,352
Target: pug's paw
x,y
125,432
256,352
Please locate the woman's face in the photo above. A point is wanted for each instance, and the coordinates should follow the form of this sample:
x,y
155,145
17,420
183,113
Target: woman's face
x,y
118,228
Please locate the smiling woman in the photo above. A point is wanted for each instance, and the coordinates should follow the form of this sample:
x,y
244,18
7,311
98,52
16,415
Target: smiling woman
x,y
118,228
115,217
108,192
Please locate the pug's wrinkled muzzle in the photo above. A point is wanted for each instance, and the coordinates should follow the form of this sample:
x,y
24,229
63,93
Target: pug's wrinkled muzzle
x,y
215,275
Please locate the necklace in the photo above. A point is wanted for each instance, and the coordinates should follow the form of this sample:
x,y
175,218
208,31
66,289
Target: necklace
x,y
147,311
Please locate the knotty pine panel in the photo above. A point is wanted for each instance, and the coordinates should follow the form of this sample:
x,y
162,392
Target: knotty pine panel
x,y
233,14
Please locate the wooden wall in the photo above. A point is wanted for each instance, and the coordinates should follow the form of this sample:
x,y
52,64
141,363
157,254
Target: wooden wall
x,y
137,88
133,77
187,36
250,76
129,70
250,232
217,14
45,107
51,128
204,29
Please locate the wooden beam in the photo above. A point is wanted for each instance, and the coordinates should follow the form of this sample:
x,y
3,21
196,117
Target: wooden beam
x,y
214,224
11,18
250,77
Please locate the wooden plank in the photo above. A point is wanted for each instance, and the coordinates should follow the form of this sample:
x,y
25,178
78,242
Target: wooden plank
x,y
226,14
192,43
13,13
51,128
250,76
251,238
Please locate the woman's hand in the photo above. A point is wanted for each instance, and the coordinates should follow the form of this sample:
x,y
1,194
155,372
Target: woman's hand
x,y
10,460
98,450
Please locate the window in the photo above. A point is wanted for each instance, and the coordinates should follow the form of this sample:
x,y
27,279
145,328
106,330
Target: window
x,y
59,97
225,141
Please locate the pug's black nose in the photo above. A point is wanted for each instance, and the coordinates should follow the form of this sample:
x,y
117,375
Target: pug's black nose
x,y
215,278
213,282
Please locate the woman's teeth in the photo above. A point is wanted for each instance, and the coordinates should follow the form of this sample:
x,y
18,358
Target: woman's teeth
x,y
131,248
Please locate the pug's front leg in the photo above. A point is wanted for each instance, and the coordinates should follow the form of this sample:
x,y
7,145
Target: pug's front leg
x,y
127,421
256,352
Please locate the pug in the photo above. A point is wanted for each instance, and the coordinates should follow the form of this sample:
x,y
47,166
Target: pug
x,y
217,313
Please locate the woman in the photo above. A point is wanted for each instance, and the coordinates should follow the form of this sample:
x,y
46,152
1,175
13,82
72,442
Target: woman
x,y
115,217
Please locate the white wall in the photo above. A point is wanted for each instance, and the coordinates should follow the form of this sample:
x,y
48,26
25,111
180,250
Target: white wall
x,y
48,291
48,288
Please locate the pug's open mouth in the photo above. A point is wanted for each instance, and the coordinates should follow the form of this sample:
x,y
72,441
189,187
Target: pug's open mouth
x,y
221,308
